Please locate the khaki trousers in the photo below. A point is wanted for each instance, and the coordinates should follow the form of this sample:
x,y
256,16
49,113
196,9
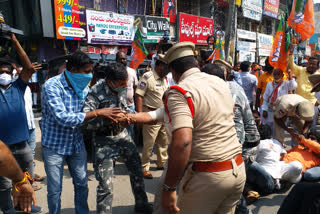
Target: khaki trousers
x,y
211,192
154,134
279,132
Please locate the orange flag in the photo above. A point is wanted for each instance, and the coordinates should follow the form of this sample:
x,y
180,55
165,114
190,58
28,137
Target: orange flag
x,y
139,52
301,18
276,46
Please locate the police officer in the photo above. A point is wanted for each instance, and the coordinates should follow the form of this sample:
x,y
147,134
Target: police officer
x,y
150,90
204,150
111,140
295,107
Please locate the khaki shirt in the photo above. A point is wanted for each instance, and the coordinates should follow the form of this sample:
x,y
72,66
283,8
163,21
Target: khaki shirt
x,y
286,105
151,87
214,136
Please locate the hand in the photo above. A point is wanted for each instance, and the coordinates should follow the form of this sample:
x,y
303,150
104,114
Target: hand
x,y
265,114
25,197
169,201
109,113
36,67
123,119
297,137
13,37
290,130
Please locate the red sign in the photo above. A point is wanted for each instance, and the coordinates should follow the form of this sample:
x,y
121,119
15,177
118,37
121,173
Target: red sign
x,y
271,8
170,10
194,29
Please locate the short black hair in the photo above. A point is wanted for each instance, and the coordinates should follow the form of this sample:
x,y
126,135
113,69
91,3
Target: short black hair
x,y
214,69
118,54
77,60
256,112
314,58
159,62
183,64
268,67
244,66
6,63
115,72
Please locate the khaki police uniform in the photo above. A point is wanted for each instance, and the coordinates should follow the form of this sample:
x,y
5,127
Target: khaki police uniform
x,y
151,87
289,106
214,139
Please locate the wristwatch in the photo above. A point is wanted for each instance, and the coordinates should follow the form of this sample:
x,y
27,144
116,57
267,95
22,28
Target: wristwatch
x,y
168,188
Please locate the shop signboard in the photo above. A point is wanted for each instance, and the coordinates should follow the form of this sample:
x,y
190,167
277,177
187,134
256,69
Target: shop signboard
x,y
154,28
246,46
70,20
252,9
194,29
264,44
244,34
247,56
271,8
109,28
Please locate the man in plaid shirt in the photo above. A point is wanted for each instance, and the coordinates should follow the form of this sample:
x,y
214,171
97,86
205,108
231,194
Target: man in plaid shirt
x,y
63,98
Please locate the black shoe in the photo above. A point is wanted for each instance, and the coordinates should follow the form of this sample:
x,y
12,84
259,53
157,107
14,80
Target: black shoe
x,y
143,208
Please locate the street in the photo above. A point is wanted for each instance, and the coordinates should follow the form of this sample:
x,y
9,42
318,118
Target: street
x,y
123,201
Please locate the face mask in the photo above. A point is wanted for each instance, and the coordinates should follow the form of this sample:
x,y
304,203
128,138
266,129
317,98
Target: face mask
x,y
15,76
118,90
317,96
78,82
5,79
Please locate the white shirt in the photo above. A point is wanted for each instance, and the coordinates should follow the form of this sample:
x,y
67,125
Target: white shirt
x,y
170,80
132,81
283,89
268,156
28,107
249,84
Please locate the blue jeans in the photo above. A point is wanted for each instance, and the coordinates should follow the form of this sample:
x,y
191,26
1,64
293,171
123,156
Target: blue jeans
x,y
32,144
259,179
312,174
77,164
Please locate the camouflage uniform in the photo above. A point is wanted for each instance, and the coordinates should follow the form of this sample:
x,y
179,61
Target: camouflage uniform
x,y
110,141
245,125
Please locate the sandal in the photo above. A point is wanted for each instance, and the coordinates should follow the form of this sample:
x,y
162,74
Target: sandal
x,y
252,196
38,177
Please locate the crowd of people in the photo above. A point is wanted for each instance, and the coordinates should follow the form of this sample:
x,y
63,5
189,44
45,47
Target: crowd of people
x,y
218,132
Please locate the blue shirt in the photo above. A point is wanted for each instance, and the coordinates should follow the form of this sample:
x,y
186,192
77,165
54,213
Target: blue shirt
x,y
237,78
249,84
13,119
62,117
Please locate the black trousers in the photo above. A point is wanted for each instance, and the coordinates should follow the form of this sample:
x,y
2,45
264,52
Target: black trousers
x,y
304,198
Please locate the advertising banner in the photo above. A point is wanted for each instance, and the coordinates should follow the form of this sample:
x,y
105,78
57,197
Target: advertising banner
x,y
170,10
252,9
247,56
153,28
271,8
264,44
109,28
246,46
70,20
244,34
194,29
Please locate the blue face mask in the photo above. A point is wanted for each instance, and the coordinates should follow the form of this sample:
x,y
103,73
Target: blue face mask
x,y
78,82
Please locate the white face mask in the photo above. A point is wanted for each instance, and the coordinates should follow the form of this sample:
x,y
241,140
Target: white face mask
x,y
5,79
317,96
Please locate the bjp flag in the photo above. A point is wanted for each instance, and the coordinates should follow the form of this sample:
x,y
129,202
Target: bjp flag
x,y
139,51
301,18
276,45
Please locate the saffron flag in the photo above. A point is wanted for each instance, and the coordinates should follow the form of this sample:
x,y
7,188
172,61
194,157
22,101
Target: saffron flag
x,y
301,18
276,46
284,50
139,51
